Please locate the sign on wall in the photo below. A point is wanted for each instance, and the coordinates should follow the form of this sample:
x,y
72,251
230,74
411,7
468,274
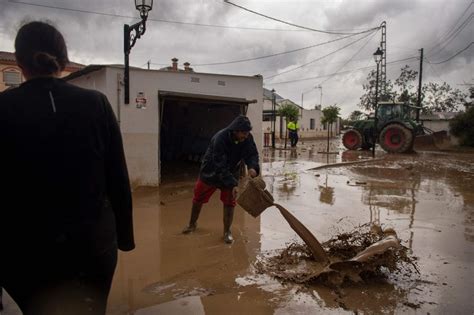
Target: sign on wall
x,y
140,100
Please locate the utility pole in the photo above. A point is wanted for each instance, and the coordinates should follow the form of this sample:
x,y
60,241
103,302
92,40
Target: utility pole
x,y
383,64
420,76
148,63
273,124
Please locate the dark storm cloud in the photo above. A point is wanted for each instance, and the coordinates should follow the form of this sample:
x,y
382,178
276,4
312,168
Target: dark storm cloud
x,y
356,14
411,24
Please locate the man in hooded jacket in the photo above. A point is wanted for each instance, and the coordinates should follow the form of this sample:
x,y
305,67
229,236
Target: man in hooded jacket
x,y
219,170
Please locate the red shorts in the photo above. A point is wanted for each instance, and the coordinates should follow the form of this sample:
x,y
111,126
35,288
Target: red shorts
x,y
202,193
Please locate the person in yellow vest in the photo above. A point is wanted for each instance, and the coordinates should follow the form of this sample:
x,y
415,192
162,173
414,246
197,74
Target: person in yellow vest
x,y
293,132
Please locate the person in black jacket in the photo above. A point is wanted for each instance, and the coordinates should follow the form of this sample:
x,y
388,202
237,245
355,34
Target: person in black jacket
x,y
65,192
219,169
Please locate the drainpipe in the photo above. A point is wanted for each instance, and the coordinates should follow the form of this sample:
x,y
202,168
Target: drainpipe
x,y
119,83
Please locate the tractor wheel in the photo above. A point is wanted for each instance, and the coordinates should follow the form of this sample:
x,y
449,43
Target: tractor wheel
x,y
352,139
395,138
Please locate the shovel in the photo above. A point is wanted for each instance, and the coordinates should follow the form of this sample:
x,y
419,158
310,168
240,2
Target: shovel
x,y
255,199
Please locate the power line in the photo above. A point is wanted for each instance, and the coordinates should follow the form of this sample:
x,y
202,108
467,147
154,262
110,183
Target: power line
x,y
274,55
433,69
338,73
350,59
453,56
155,20
296,25
317,59
446,34
454,35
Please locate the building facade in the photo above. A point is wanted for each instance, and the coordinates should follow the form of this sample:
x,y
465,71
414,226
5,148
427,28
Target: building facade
x,y
309,120
172,113
10,72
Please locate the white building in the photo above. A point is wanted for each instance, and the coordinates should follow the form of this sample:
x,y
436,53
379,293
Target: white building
x,y
309,120
173,113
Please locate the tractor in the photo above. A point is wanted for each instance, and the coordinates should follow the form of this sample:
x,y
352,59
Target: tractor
x,y
396,127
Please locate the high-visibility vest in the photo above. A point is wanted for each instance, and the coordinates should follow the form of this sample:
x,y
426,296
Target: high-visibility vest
x,y
292,126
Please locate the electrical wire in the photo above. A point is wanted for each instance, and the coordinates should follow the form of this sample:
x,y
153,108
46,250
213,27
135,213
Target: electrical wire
x,y
446,34
296,25
453,35
261,57
273,55
342,72
155,20
317,59
453,56
433,69
350,59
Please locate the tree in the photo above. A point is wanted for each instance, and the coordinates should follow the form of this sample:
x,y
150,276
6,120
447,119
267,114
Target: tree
x,y
356,115
434,97
368,98
330,116
462,126
290,112
405,85
441,98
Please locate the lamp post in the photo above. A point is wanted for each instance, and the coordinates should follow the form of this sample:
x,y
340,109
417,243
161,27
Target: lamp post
x,y
130,35
273,118
378,58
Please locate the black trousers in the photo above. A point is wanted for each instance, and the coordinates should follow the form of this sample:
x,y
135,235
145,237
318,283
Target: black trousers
x,y
293,138
67,281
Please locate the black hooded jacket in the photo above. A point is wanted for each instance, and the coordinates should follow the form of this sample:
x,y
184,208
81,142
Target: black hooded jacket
x,y
224,154
63,176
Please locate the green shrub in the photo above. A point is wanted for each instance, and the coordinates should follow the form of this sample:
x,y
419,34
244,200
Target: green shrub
x,y
462,126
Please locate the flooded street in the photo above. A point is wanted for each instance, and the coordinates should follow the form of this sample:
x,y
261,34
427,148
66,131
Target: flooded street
x,y
426,197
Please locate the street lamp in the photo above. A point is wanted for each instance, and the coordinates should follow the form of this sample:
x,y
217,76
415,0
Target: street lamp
x,y
130,36
378,58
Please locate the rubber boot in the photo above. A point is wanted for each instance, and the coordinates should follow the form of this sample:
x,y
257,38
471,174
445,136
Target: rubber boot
x,y
228,217
195,211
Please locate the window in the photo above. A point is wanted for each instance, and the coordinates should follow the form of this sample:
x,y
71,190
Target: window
x,y
195,79
311,124
11,78
267,117
222,83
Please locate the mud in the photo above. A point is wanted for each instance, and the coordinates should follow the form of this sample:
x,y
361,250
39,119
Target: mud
x,y
362,255
427,198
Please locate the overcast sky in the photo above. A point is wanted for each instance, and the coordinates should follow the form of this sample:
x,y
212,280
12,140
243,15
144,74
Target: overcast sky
x,y
411,25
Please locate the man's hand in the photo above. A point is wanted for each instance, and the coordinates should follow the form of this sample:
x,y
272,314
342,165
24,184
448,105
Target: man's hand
x,y
252,173
235,192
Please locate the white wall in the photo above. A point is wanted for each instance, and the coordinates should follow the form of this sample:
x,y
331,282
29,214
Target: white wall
x,y
140,127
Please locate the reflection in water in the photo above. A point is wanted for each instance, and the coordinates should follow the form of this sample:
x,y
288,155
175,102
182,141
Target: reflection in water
x,y
326,193
168,266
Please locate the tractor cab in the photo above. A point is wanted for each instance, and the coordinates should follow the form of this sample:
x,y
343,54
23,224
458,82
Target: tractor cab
x,y
389,111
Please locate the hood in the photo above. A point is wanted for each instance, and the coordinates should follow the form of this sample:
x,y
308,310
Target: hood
x,y
240,123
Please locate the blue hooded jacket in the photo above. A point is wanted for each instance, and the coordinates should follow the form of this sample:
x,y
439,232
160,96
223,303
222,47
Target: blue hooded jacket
x,y
224,155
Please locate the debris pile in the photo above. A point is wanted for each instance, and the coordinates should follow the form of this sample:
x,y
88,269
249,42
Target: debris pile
x,y
367,252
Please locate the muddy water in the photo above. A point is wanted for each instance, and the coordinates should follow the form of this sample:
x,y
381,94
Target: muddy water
x,y
427,198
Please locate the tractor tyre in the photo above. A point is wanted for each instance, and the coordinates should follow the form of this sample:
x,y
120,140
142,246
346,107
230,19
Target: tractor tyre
x,y
396,138
352,139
